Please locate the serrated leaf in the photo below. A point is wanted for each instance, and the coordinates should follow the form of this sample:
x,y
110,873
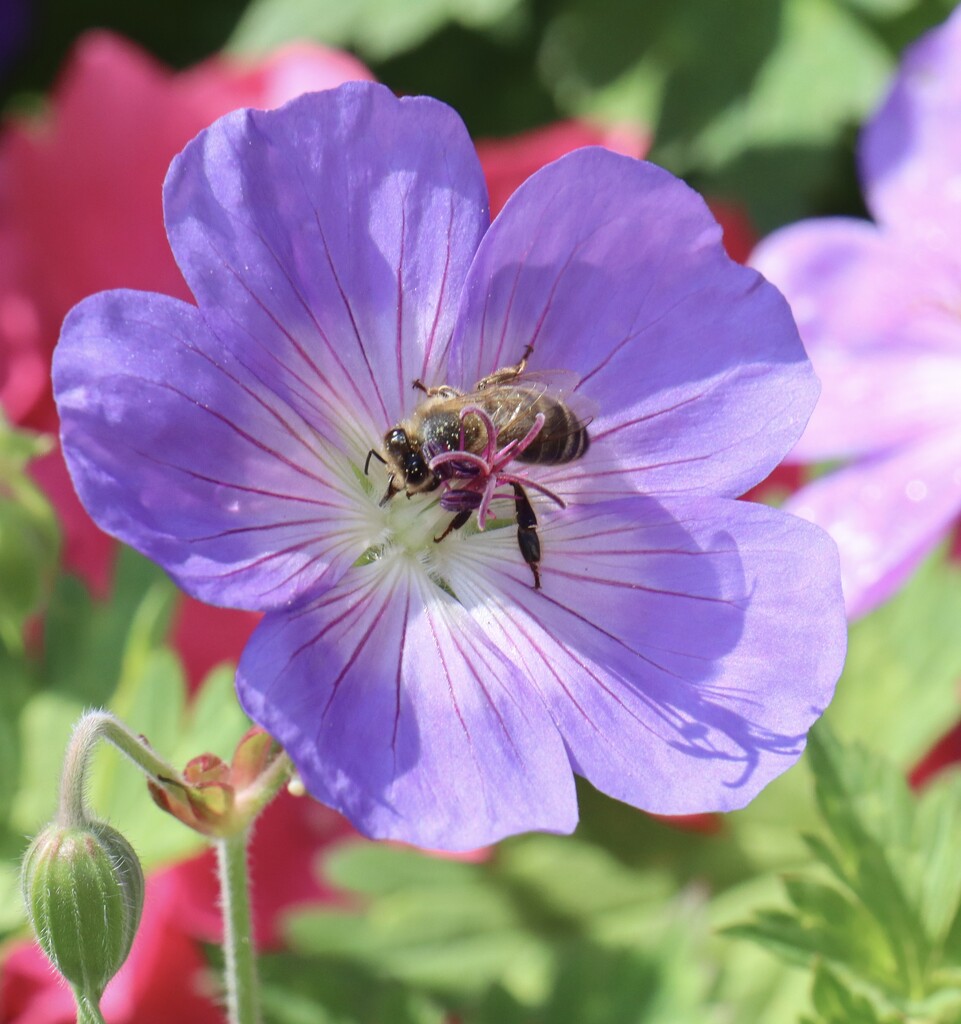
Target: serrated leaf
x,y
836,1003
841,928
884,918
783,934
937,842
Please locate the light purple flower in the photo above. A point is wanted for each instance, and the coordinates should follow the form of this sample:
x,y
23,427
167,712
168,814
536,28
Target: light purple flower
x,y
879,308
339,248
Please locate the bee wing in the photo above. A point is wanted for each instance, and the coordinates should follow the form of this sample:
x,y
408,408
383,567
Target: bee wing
x,y
516,399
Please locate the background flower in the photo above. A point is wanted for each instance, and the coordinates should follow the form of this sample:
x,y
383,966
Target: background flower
x,y
877,307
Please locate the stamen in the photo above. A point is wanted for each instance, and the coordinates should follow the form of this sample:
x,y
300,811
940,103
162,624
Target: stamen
x,y
471,480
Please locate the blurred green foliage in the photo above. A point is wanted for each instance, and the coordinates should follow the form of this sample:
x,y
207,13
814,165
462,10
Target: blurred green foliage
x,y
848,880
757,101
29,536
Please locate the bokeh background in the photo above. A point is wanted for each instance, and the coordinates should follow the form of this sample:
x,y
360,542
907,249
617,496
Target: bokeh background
x,y
757,103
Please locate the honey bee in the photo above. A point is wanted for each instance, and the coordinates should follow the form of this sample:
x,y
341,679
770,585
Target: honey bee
x,y
463,442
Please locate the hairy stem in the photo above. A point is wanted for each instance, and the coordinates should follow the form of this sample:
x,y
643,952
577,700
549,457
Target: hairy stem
x,y
88,1009
240,963
94,726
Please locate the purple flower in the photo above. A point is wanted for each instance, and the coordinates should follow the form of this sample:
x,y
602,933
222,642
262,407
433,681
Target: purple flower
x,y
879,308
339,248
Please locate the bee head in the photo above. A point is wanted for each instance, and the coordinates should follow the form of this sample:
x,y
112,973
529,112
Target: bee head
x,y
406,462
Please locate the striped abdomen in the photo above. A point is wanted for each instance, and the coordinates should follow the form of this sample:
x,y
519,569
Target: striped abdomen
x,y
563,438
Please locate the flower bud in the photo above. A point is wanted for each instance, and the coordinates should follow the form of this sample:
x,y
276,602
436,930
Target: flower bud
x,y
84,891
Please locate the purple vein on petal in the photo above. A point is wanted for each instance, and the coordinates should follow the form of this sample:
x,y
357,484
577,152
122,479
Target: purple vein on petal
x,y
521,263
647,417
282,267
245,488
429,347
298,348
399,321
285,424
632,334
353,323
249,438
534,646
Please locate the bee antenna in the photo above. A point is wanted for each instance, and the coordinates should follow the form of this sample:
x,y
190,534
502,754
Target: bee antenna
x,y
376,454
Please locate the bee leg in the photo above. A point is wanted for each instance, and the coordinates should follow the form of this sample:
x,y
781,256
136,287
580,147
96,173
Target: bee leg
x,y
527,539
455,524
506,373
444,390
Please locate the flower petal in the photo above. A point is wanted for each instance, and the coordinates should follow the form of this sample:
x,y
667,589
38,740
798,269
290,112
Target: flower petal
x,y
175,448
614,269
878,320
910,151
398,712
327,243
683,649
886,514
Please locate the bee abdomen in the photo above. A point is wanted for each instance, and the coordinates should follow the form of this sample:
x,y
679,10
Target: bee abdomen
x,y
563,438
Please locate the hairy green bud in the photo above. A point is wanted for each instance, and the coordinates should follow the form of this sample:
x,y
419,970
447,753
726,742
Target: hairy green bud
x,y
84,888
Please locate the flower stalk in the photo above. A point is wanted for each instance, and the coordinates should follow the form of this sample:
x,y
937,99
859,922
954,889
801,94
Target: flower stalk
x,y
81,878
240,962
94,726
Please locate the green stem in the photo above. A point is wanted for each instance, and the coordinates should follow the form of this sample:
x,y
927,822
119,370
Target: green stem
x,y
240,963
94,726
88,1009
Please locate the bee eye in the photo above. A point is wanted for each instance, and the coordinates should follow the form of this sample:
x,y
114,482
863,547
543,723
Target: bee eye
x,y
415,468
397,441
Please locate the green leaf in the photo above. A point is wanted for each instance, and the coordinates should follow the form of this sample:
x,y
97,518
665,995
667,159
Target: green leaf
x,y
301,991
376,28
757,99
882,911
836,1003
85,641
375,869
29,536
904,655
